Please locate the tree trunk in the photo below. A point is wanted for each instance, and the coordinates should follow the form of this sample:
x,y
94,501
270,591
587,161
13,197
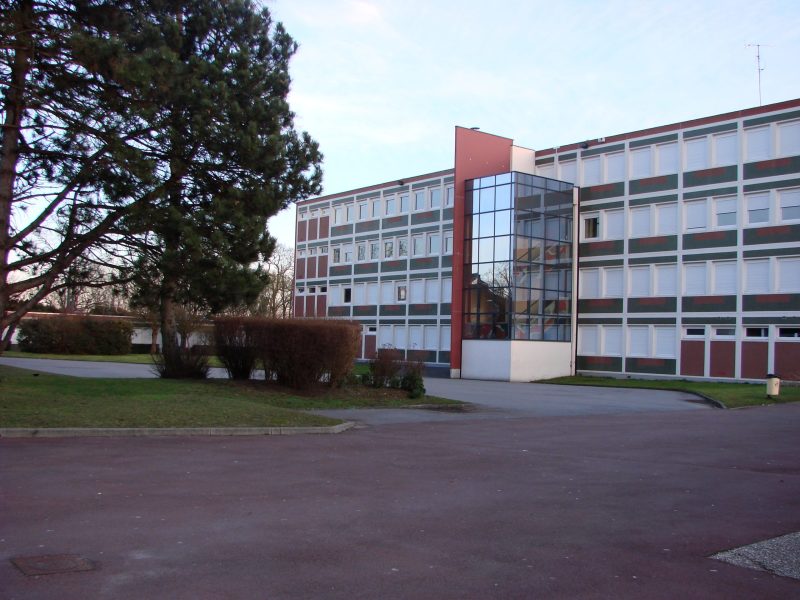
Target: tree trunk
x,y
14,108
154,338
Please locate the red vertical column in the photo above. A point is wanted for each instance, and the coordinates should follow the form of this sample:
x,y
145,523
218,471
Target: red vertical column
x,y
477,154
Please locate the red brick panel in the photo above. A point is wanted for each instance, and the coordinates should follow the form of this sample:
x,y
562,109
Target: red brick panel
x,y
787,360
322,266
311,267
310,301
312,229
754,359
300,269
693,357
301,231
299,306
723,359
324,227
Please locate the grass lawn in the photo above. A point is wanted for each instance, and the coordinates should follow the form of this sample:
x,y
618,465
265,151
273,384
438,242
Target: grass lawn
x,y
732,395
31,399
137,359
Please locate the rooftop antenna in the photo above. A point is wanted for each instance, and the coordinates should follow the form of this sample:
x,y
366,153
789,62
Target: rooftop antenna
x,y
759,68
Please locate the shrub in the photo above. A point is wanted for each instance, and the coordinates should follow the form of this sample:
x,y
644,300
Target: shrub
x,y
301,352
412,381
385,366
75,335
182,363
235,346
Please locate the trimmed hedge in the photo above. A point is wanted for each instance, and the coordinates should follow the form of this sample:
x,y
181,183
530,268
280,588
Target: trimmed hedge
x,y
75,335
295,352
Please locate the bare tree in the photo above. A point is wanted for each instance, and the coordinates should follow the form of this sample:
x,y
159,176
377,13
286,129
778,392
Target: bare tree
x,y
276,299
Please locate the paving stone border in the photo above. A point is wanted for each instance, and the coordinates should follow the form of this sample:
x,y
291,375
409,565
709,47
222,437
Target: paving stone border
x,y
52,432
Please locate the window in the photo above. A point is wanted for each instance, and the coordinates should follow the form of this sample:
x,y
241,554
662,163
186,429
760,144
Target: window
x,y
724,332
725,212
696,217
400,336
376,208
615,167
347,294
546,171
418,245
303,216
613,279
666,219
696,154
403,203
444,337
447,289
591,171
388,248
372,293
312,290
360,294
789,332
434,243
431,337
587,340
351,209
417,291
615,224
385,336
694,279
568,171
591,226
789,275
666,280
419,200
374,250
402,291
348,253
790,204
667,158
415,337
638,340
387,292
449,196
402,246
756,274
338,215
363,211
590,283
757,208
612,340
436,198
759,143
725,149
432,291
724,277
448,242
789,138
640,282
640,221
337,255
664,342
695,332
391,205
641,162
756,332
361,252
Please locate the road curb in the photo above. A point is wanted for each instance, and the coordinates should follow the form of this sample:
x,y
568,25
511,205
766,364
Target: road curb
x,y
57,432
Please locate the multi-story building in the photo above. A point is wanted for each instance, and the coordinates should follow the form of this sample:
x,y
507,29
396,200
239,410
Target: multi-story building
x,y
686,239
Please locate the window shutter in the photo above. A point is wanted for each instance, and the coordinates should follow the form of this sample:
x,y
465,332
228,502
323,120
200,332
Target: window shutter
x,y
587,336
640,282
417,291
415,337
430,337
726,149
614,283
638,341
640,221
615,167
789,274
612,340
757,276
591,171
447,289
695,279
372,293
696,154
444,337
725,278
667,219
431,290
665,342
590,283
759,144
696,215
641,163
789,136
666,280
667,159
615,224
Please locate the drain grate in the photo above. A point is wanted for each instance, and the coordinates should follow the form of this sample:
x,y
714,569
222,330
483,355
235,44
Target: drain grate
x,y
780,556
51,564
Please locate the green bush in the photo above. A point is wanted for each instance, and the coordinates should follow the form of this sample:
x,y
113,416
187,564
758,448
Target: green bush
x,y
390,369
75,335
190,363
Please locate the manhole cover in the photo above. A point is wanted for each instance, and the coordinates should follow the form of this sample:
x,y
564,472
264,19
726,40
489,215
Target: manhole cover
x,y
50,564
780,555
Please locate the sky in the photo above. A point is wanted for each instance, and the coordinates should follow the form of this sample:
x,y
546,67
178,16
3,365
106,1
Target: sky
x,y
381,84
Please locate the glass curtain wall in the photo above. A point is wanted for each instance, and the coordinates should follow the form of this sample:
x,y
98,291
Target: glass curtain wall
x,y
518,254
